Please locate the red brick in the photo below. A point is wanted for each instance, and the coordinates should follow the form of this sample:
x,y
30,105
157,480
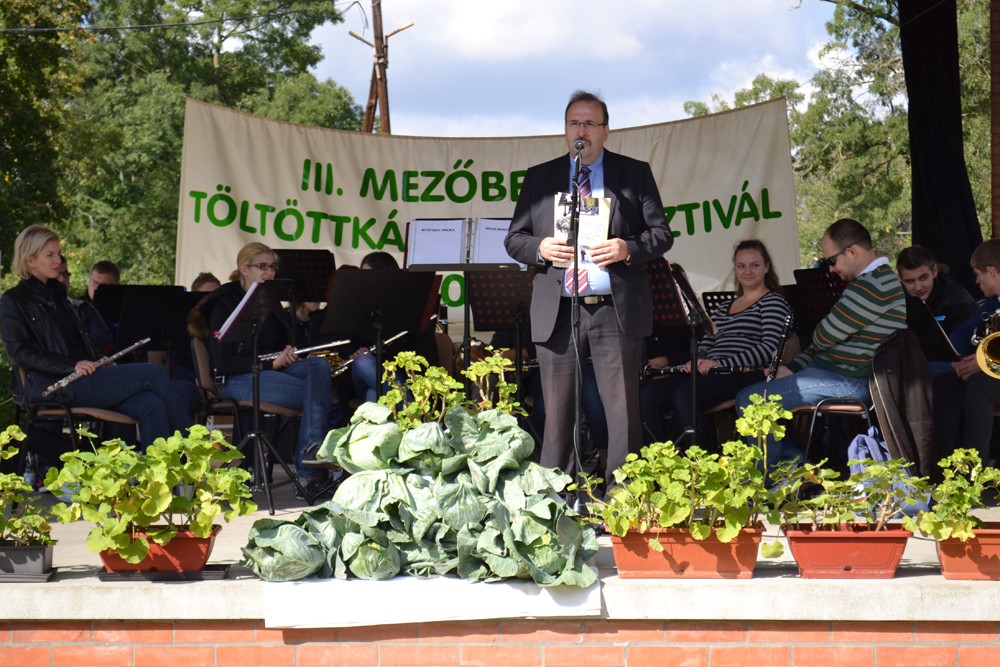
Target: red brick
x,y
872,631
268,656
489,655
979,656
262,635
4,632
306,635
403,632
95,656
623,631
133,633
584,656
750,656
664,656
952,631
546,632
706,632
418,655
213,632
916,656
168,656
475,632
25,656
51,631
793,632
833,656
338,654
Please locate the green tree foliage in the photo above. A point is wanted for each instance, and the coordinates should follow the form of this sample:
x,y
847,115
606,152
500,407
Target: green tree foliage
x,y
848,126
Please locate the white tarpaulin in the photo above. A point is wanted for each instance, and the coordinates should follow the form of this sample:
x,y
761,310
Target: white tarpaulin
x,y
331,603
723,178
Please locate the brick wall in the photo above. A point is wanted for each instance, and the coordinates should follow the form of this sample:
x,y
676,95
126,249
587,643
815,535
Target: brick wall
x,y
506,643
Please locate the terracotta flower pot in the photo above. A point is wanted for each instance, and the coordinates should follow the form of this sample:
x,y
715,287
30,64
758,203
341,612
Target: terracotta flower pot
x,y
853,552
684,556
976,558
185,553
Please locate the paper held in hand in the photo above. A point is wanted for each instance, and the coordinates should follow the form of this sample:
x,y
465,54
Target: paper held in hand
x,y
594,219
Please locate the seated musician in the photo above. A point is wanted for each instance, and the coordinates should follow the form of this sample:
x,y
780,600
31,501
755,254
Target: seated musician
x,y
300,384
928,280
966,397
838,362
749,330
42,335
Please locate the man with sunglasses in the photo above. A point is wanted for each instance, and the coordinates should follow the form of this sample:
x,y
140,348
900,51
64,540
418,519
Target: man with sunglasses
x,y
838,362
616,301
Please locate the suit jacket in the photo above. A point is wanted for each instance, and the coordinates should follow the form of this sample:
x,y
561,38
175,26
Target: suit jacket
x,y
636,216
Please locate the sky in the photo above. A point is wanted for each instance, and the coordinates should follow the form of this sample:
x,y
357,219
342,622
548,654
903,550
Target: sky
x,y
477,68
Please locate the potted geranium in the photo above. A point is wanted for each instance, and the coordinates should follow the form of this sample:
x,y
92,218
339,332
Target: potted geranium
x,y
155,510
847,528
25,534
968,547
691,513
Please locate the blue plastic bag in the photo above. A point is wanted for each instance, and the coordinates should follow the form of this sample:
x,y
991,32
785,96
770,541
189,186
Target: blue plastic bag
x,y
871,446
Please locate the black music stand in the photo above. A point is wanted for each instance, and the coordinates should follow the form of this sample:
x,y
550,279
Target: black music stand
x,y
819,290
500,301
309,270
376,302
260,301
713,300
157,312
933,340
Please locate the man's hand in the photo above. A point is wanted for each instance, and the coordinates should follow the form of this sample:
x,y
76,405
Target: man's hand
x,y
965,367
555,251
609,252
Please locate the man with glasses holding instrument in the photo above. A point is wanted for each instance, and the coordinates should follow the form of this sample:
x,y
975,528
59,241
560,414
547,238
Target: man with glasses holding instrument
x,y
616,301
837,364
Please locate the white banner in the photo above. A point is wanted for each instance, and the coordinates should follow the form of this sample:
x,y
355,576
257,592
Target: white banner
x,y
723,178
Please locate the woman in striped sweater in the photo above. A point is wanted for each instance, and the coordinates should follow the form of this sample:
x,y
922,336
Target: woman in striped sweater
x,y
749,330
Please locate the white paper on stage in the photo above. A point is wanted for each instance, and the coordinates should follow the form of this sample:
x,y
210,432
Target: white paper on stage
x,y
329,603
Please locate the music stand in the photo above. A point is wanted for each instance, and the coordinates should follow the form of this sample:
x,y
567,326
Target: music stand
x,y
375,302
819,291
309,270
713,300
258,303
500,301
933,340
696,316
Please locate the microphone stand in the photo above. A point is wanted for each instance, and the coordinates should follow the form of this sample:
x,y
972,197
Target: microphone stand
x,y
695,320
574,231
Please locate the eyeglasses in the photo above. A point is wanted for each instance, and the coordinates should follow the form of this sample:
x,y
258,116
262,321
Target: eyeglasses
x,y
586,125
831,261
263,266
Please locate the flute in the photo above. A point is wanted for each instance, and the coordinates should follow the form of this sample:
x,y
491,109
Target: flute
x,y
392,339
103,361
274,355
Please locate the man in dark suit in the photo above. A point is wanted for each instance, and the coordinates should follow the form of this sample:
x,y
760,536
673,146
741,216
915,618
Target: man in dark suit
x,y
616,303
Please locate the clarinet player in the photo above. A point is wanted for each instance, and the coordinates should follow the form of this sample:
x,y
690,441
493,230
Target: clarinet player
x,y
43,336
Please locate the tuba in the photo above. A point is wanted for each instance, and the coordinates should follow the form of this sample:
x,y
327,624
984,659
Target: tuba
x,y
988,346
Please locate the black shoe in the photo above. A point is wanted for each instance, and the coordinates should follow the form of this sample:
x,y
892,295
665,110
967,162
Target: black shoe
x,y
317,489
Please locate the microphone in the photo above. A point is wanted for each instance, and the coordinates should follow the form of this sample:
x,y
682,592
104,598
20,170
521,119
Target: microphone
x,y
579,145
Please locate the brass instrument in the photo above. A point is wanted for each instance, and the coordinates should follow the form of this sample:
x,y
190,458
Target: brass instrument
x,y
988,346
103,361
650,372
270,356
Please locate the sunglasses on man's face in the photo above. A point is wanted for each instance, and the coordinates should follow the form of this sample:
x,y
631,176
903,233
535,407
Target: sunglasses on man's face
x,y
831,261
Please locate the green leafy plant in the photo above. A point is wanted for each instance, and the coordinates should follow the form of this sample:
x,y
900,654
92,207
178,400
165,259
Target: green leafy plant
x,y
961,491
696,490
23,521
418,392
183,482
432,494
761,418
488,375
816,498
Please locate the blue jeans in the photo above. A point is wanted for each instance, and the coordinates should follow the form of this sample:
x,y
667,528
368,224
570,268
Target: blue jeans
x,y
365,374
305,386
144,392
806,387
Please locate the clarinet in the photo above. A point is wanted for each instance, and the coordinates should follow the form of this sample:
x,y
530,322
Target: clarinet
x,y
103,361
649,372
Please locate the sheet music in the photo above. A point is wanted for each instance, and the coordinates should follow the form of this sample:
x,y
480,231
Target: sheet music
x,y
595,215
436,242
233,316
487,242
